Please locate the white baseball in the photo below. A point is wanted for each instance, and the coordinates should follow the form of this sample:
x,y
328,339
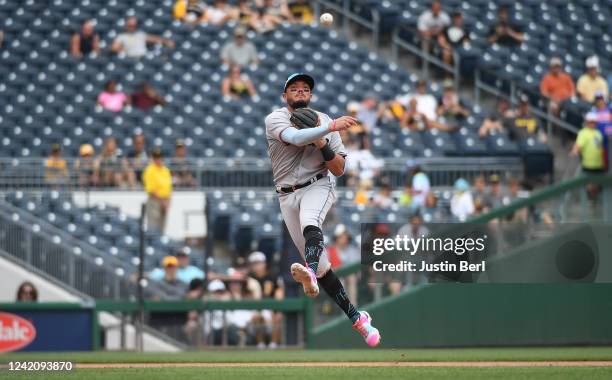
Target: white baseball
x,y
326,19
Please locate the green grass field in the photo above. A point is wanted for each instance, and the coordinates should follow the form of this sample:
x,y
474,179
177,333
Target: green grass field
x,y
332,372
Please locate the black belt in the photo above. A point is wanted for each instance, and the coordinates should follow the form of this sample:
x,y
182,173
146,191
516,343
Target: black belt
x,y
291,189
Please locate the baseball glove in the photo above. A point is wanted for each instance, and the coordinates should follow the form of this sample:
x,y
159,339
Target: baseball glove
x,y
304,118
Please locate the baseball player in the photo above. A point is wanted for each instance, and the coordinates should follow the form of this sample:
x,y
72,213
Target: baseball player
x,y
304,146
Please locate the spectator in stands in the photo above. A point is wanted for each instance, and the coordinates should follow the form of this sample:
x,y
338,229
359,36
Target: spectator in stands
x,y
504,32
481,197
415,230
170,264
603,111
405,199
157,182
187,272
383,198
111,167
237,85
452,37
27,292
302,11
220,12
133,42
147,98
240,51
421,114
589,146
431,24
498,120
451,111
525,124
341,252
193,327
430,210
495,197
362,197
264,19
137,157
557,86
190,11
590,83
420,187
181,174
56,168
271,288
361,164
215,321
277,9
85,41
369,112
85,166
462,203
111,99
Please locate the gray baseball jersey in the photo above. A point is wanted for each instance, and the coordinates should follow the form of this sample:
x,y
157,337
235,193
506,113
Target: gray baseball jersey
x,y
293,165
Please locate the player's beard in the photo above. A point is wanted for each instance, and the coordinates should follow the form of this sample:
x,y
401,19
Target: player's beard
x,y
298,104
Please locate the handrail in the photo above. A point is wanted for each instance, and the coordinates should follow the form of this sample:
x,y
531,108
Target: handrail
x,y
347,14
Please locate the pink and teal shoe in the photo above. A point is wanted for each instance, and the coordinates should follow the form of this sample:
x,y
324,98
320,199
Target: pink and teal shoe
x,y
305,276
364,326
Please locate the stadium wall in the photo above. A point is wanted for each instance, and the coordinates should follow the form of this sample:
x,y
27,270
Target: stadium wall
x,y
459,315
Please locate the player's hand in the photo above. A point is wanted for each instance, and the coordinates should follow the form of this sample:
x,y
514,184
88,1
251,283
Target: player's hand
x,y
342,123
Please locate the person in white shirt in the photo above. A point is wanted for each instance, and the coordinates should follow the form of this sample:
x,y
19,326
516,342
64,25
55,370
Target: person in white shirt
x,y
133,42
431,23
462,203
420,187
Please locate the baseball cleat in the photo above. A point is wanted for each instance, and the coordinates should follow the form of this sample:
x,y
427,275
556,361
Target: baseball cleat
x,y
307,278
364,326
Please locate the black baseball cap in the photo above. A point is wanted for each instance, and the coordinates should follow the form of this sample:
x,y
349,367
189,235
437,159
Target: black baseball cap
x,y
300,76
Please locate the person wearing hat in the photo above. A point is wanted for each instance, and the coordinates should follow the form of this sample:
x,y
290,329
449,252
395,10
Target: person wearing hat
x,y
557,86
525,124
56,168
157,182
84,166
589,146
590,83
504,32
462,203
181,174
240,51
269,287
495,196
304,147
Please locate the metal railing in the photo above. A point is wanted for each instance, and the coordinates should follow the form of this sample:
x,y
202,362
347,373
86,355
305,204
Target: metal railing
x,y
425,56
29,173
69,260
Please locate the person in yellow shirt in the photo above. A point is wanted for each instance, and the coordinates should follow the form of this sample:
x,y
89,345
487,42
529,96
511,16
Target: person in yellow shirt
x,y
157,181
591,83
56,169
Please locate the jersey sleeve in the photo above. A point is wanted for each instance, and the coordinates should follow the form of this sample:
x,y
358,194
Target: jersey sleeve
x,y
276,123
